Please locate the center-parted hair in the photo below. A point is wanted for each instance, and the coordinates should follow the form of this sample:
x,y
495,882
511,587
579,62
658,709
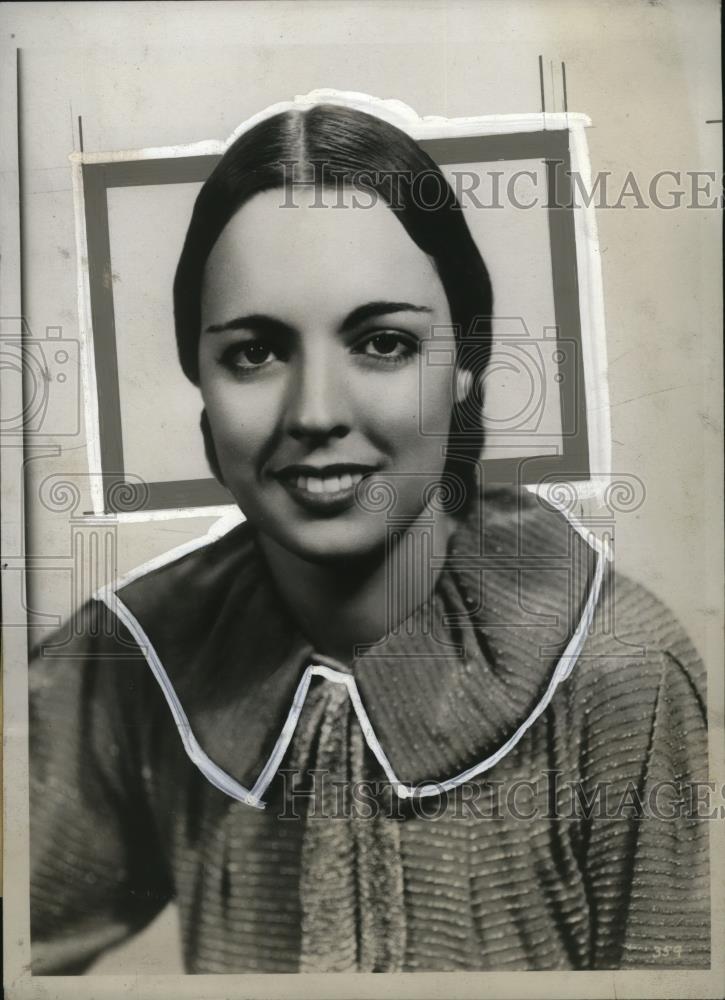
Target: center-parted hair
x,y
328,145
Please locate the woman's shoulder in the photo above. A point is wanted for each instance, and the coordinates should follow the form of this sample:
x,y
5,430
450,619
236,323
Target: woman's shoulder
x,y
193,574
638,669
176,593
633,631
634,651
633,623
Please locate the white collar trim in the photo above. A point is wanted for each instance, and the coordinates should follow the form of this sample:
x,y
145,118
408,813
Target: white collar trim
x,y
253,797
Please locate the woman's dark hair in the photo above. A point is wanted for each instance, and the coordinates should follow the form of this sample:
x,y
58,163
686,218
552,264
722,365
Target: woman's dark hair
x,y
328,145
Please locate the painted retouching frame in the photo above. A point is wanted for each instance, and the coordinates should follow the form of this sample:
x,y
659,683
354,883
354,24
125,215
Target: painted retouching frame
x,y
558,139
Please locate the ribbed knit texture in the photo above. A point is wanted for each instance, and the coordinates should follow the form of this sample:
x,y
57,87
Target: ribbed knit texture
x,y
122,821
351,874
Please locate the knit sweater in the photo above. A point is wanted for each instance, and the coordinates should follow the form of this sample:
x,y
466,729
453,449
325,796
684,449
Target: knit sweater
x,y
504,782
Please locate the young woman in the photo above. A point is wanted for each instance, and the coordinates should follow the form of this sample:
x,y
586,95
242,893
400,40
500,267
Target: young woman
x,y
393,721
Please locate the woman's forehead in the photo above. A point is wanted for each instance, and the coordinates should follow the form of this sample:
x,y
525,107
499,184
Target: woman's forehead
x,y
306,246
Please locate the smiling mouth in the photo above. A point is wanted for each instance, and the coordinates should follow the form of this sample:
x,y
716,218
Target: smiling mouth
x,y
325,491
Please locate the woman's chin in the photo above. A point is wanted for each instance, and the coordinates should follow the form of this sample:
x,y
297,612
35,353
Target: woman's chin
x,y
342,540
330,542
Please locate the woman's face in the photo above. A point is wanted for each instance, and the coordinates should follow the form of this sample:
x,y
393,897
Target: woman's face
x,y
313,320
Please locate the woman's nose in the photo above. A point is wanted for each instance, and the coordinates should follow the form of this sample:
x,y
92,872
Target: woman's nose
x,y
318,403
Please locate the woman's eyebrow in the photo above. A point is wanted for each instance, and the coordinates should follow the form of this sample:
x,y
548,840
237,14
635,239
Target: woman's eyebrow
x,y
259,322
372,309
262,323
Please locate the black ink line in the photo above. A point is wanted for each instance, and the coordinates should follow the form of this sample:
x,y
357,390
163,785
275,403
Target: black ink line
x,y
541,82
563,80
553,88
21,199
80,132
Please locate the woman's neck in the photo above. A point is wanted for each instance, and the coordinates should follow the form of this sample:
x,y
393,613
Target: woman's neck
x,y
347,603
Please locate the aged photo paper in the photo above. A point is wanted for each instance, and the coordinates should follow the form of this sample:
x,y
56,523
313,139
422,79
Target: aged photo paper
x,y
362,487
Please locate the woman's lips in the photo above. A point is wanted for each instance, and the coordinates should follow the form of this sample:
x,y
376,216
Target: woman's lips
x,y
327,484
323,491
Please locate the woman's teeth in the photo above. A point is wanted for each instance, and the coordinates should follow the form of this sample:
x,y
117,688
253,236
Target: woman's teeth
x,y
328,484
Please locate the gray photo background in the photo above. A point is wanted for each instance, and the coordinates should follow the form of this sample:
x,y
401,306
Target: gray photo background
x,y
647,75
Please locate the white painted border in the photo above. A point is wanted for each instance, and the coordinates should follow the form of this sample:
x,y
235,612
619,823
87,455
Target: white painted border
x,y
211,771
591,301
593,328
220,527
393,111
89,388
167,514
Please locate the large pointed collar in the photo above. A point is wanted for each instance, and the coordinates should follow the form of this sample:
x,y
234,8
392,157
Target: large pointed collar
x,y
445,690
510,598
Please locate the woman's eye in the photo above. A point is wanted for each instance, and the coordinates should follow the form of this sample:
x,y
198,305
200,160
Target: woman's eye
x,y
388,346
254,354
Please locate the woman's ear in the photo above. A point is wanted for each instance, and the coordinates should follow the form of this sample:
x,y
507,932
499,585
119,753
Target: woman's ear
x,y
209,449
464,381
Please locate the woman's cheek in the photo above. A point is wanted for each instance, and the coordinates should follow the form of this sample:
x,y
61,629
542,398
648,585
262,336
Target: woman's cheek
x,y
242,422
407,412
